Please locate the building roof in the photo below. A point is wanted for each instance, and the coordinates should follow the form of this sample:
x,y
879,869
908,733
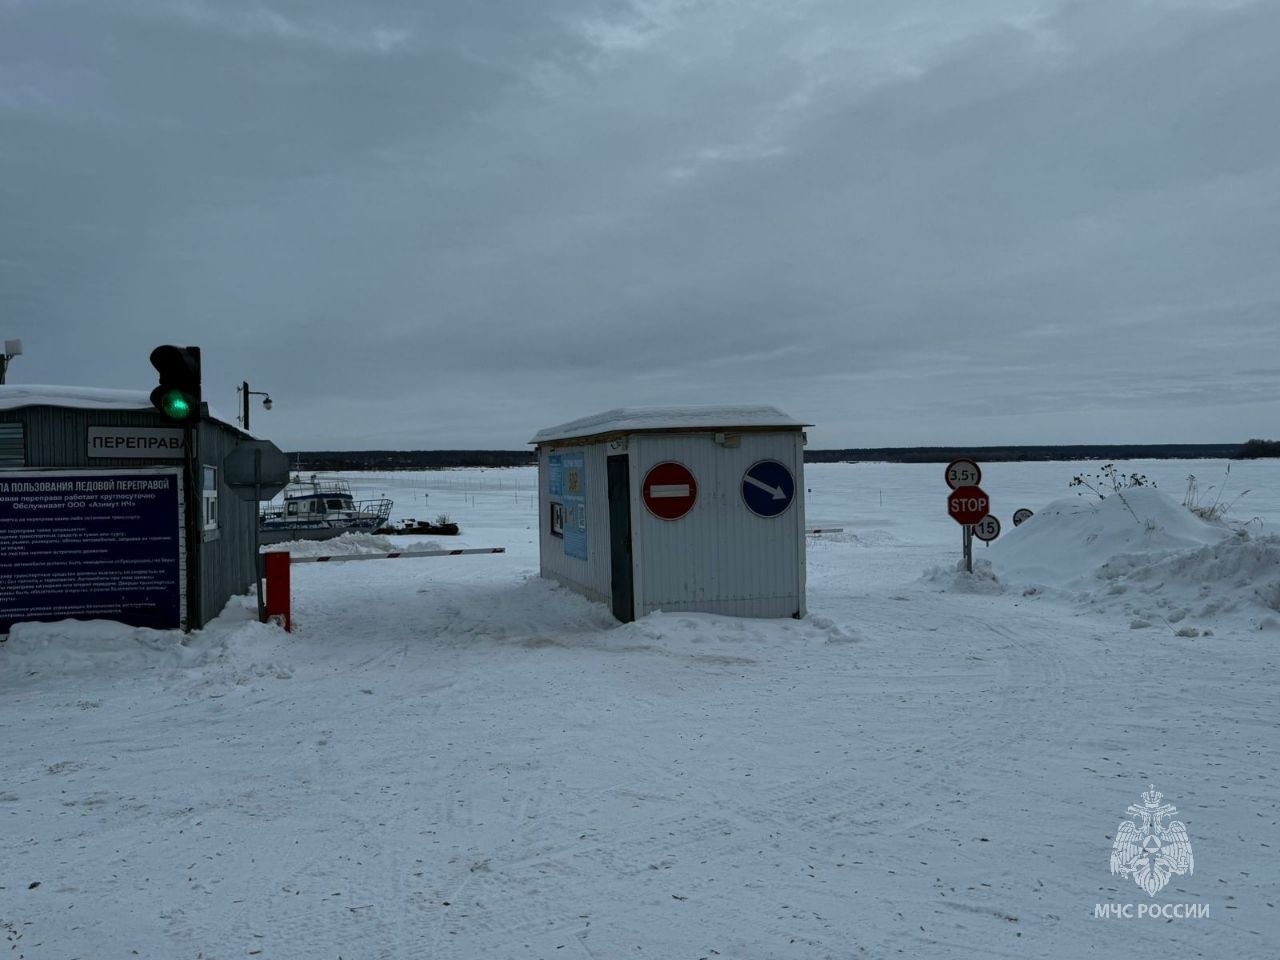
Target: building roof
x,y
15,395
643,419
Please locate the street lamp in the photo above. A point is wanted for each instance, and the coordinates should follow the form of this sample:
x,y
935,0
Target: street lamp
x,y
245,394
12,348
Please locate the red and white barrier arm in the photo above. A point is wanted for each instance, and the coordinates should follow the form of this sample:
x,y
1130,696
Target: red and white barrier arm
x,y
402,554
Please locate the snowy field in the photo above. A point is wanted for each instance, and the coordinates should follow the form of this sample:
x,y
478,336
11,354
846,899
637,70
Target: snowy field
x,y
450,758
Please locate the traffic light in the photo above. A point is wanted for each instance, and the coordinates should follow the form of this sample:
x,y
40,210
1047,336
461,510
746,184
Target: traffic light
x,y
178,395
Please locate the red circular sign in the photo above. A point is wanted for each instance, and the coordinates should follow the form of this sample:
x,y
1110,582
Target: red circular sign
x,y
669,490
968,504
963,473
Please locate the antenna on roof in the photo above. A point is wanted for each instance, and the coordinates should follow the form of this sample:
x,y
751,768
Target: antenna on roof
x,y
12,348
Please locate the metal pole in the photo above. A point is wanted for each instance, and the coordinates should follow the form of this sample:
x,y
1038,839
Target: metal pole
x,y
257,523
244,396
4,365
968,548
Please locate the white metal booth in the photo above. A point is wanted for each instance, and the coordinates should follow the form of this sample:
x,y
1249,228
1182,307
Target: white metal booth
x,y
676,508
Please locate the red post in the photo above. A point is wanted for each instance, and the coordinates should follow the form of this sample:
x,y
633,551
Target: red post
x,y
278,587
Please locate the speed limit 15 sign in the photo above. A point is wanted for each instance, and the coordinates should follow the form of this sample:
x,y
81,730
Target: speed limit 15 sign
x,y
963,473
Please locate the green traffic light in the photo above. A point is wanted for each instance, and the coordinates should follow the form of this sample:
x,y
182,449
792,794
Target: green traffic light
x,y
175,405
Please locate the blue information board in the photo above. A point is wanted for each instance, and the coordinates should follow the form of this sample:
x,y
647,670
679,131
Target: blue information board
x,y
574,498
768,488
555,475
91,545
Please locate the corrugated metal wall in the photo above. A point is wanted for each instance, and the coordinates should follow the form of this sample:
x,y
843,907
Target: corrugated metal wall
x,y
227,564
589,577
13,449
56,437
719,557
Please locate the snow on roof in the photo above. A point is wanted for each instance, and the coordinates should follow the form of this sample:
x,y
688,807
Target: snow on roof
x,y
15,395
636,419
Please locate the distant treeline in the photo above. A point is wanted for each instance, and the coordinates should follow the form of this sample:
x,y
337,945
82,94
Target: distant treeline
x,y
1115,451
324,460
328,460
1259,448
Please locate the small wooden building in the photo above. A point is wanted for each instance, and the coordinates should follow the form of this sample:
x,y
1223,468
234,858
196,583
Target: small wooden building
x,y
105,512
676,508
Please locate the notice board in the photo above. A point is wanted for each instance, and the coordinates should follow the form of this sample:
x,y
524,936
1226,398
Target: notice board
x,y
92,545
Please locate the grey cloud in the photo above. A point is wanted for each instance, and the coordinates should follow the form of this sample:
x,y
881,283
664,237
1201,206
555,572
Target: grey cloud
x,y
447,227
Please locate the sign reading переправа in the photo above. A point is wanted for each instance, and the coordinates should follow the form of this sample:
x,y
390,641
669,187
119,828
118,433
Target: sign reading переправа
x,y
92,545
136,442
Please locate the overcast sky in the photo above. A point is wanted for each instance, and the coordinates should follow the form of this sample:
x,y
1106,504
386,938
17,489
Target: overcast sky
x,y
441,224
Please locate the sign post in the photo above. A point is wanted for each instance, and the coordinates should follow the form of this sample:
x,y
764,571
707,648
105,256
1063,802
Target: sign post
x,y
967,503
256,470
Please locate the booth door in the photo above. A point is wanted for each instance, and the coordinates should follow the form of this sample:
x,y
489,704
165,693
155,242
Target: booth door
x,y
620,539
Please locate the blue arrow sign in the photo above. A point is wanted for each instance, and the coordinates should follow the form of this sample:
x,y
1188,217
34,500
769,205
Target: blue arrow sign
x,y
768,488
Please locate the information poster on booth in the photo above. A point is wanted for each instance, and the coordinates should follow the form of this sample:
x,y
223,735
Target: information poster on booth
x,y
574,498
92,545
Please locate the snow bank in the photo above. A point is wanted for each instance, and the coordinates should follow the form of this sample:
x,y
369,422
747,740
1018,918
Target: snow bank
x,y
1072,538
1153,562
228,651
1193,591
351,544
71,647
954,577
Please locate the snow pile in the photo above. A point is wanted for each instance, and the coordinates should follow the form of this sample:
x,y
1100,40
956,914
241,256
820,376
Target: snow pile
x,y
1151,561
229,651
1237,578
953,578
350,544
1072,538
94,647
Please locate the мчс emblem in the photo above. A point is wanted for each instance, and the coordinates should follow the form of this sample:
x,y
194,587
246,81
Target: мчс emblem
x,y
1147,848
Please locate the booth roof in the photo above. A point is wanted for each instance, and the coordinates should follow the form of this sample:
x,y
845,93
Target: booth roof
x,y
639,419
14,395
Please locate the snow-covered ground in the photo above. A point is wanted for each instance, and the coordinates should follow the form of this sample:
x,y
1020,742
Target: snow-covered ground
x,y
450,758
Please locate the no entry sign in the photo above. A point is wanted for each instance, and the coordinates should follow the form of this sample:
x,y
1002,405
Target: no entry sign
x,y
669,490
968,505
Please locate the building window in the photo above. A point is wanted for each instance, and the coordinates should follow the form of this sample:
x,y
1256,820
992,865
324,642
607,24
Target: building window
x,y
209,496
557,519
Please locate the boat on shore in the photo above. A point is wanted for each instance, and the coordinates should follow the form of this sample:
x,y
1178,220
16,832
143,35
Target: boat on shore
x,y
320,508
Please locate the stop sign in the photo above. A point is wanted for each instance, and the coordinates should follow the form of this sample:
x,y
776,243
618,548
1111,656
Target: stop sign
x,y
968,504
